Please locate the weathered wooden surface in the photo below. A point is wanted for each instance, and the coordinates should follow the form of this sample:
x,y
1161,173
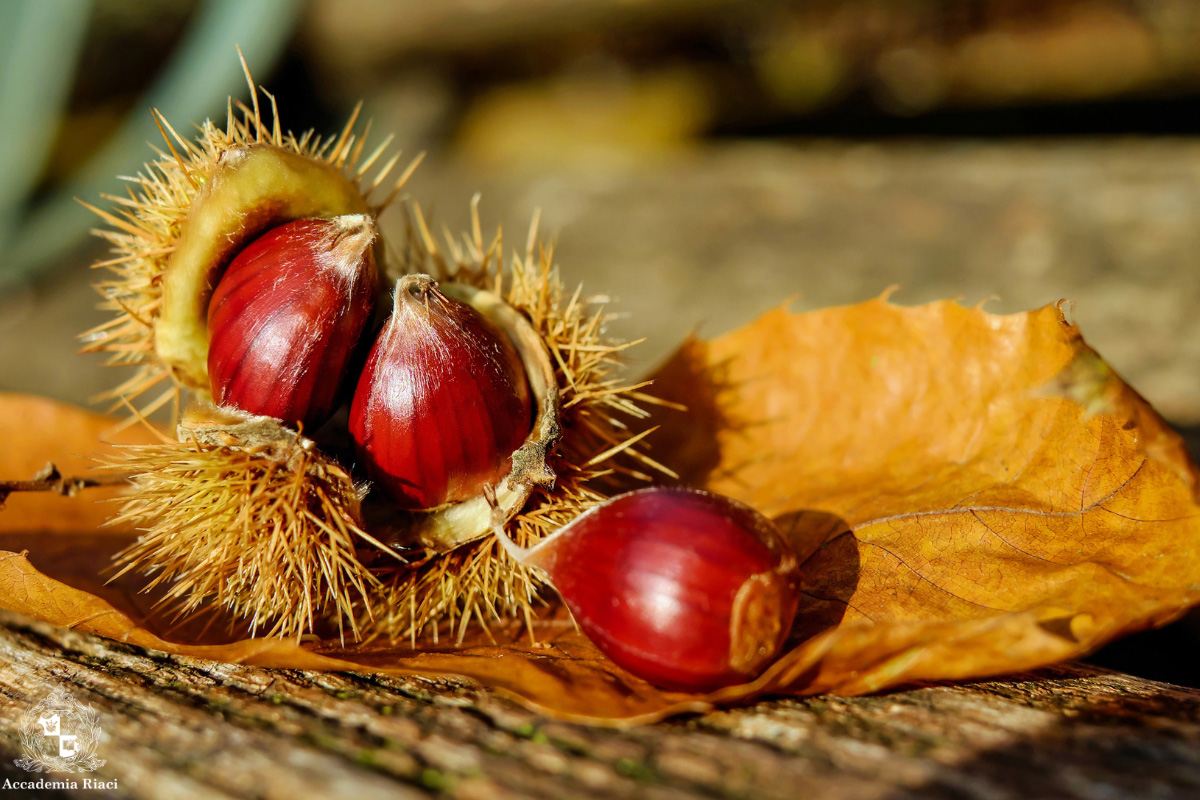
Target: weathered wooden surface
x,y
183,728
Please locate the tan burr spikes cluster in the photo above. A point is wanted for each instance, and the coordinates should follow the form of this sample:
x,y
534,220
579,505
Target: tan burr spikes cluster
x,y
351,417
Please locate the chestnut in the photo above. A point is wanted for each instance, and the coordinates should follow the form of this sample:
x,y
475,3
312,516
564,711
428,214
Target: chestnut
x,y
686,589
287,315
442,403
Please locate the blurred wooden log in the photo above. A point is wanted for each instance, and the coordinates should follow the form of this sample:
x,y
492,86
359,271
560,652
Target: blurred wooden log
x,y
772,61
707,239
184,728
704,240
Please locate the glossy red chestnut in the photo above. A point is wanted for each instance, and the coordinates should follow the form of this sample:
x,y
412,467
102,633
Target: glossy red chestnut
x,y
287,316
686,589
442,403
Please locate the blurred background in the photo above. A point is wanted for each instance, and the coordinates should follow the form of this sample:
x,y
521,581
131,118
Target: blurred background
x,y
699,161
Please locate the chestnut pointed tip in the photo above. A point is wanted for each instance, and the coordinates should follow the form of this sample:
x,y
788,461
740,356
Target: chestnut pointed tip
x,y
416,284
497,519
354,225
413,288
349,240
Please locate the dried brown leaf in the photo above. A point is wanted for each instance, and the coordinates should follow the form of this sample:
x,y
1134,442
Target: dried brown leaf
x,y
974,494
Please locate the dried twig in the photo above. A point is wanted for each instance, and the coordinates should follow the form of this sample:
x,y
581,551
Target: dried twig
x,y
49,479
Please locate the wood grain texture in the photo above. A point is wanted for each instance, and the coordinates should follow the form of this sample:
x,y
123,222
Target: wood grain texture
x,y
186,728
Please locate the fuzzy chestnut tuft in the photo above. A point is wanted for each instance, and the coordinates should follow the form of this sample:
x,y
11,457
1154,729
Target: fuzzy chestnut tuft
x,y
686,589
286,318
443,402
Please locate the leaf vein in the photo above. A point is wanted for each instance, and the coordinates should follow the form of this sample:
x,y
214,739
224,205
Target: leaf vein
x,y
932,583
990,530
1036,512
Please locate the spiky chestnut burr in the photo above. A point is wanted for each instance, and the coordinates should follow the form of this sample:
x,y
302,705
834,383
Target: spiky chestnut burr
x,y
228,519
286,318
686,589
189,214
251,517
